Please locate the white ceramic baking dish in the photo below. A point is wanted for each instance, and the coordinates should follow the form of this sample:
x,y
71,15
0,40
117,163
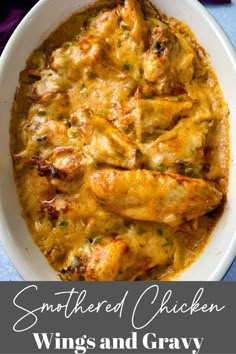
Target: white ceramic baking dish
x,y
36,26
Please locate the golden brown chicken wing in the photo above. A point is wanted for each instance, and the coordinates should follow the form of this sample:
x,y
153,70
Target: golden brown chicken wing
x,y
180,150
129,256
109,145
131,13
146,195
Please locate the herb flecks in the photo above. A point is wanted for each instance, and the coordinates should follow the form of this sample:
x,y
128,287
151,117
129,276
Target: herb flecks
x,y
63,224
126,67
42,113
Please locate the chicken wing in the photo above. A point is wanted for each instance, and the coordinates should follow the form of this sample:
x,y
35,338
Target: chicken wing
x,y
180,150
146,195
129,256
125,256
169,63
148,116
109,145
131,13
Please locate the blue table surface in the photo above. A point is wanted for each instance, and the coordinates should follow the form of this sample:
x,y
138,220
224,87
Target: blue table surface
x,y
226,16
